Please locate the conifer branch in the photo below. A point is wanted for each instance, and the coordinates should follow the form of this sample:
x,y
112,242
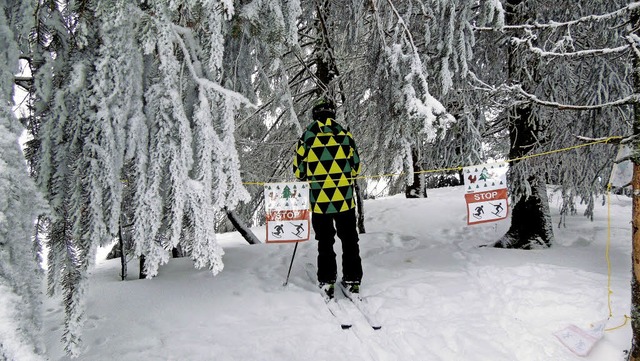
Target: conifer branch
x,y
554,25
630,99
204,82
517,90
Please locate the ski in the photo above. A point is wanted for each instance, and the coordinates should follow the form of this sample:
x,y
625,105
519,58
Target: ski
x,y
332,305
362,306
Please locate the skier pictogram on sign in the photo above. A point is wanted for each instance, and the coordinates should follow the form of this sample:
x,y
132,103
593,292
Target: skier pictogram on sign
x,y
486,192
287,212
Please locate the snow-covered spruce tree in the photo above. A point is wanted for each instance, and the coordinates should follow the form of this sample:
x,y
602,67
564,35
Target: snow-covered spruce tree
x,y
575,87
370,62
564,79
191,170
377,77
261,45
20,274
66,164
530,219
122,133
134,127
344,52
398,114
443,33
592,83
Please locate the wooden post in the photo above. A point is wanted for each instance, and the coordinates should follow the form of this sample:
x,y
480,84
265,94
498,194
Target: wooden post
x,y
634,353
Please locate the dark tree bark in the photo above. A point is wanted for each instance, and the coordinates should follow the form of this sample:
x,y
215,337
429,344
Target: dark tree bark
x,y
123,254
326,69
531,225
530,221
244,231
326,72
142,274
634,354
417,189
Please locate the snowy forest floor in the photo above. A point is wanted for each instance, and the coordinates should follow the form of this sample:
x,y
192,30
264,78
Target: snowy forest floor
x,y
438,295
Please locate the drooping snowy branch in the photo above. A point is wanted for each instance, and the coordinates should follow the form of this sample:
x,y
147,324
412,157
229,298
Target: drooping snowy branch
x,y
206,83
561,24
630,99
571,54
517,90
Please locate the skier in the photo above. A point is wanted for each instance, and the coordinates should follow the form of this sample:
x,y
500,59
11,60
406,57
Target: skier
x,y
279,231
299,229
327,157
499,208
479,212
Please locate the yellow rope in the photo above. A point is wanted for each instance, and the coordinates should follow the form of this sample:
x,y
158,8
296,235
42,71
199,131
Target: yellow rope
x,y
609,291
626,320
608,245
604,140
254,183
607,248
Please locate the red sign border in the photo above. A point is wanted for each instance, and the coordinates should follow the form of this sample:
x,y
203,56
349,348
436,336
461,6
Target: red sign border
x,y
502,194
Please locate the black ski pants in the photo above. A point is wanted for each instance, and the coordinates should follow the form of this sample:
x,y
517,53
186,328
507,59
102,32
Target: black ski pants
x,y
345,227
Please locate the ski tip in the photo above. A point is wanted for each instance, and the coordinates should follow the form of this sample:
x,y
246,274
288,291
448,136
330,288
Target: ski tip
x,y
345,327
376,327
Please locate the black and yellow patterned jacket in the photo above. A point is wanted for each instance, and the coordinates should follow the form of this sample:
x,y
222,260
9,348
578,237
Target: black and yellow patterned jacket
x,y
327,157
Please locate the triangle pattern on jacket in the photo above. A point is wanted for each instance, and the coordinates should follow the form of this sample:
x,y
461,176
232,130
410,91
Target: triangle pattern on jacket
x,y
327,157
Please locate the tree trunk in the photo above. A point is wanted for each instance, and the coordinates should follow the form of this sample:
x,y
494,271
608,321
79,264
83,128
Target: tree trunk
x,y
417,189
326,68
634,354
531,225
326,72
142,273
123,254
244,231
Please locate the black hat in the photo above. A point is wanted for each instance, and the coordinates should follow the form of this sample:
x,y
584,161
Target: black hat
x,y
324,108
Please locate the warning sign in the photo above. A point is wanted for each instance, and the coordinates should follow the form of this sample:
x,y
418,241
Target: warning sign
x,y
486,192
287,212
486,206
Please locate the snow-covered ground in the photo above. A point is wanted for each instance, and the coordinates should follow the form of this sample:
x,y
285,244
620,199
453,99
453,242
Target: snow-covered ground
x,y
438,295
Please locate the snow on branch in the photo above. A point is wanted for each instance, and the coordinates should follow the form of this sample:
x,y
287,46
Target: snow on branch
x,y
630,99
574,54
517,90
554,25
432,104
634,41
204,82
528,28
406,29
609,140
